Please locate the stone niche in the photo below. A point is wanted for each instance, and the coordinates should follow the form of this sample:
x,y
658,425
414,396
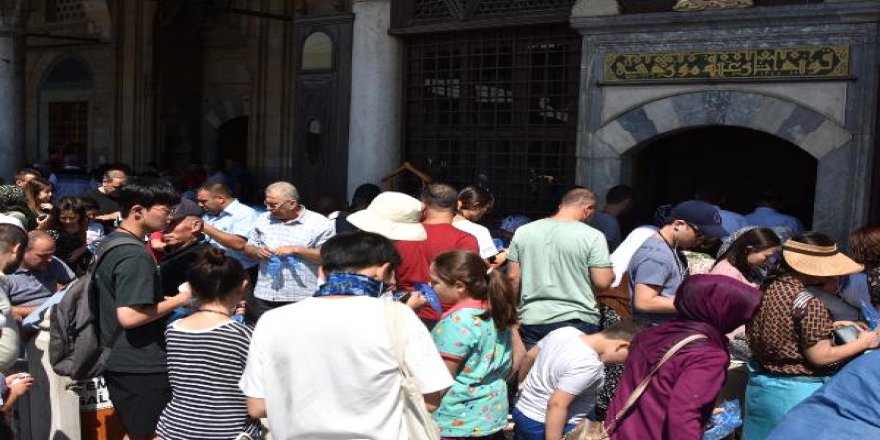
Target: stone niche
x,y
833,118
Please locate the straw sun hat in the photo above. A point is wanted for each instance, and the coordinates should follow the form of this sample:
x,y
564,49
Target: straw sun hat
x,y
820,261
394,215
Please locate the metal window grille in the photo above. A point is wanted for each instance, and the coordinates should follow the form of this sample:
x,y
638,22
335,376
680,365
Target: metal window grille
x,y
497,107
439,10
63,11
68,127
496,7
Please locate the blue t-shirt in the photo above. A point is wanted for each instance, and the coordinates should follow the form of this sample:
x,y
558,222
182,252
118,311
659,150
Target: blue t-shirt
x,y
656,264
29,288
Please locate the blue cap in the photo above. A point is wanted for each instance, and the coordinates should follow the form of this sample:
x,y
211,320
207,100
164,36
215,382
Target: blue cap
x,y
702,215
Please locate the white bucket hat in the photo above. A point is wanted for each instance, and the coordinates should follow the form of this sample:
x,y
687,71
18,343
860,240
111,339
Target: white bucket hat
x,y
394,215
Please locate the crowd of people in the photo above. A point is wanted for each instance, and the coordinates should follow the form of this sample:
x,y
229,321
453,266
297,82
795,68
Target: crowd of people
x,y
408,318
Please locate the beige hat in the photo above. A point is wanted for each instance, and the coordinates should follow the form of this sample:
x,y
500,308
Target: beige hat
x,y
820,261
394,215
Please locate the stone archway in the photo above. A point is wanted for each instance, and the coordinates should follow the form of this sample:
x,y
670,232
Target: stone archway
x,y
602,160
813,132
226,110
215,116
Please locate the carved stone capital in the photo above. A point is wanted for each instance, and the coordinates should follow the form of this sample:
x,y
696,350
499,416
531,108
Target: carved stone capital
x,y
595,8
700,5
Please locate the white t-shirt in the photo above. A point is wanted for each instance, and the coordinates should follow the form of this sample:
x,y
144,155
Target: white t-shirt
x,y
326,369
481,233
565,363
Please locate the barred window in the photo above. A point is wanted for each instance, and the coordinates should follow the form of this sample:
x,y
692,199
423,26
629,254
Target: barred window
x,y
438,10
63,11
497,107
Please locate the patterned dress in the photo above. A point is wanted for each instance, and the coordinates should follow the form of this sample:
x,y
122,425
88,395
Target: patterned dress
x,y
476,404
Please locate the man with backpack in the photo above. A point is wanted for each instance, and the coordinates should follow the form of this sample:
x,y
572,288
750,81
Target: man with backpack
x,y
131,309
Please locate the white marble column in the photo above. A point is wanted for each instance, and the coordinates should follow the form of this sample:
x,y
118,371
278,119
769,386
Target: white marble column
x,y
376,86
11,87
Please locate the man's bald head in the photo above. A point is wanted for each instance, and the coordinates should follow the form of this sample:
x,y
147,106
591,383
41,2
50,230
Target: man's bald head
x,y
579,197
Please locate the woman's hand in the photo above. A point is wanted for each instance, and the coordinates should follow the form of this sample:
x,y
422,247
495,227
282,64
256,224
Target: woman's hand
x,y
43,221
868,339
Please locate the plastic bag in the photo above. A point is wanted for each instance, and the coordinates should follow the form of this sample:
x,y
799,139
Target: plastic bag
x,y
725,422
430,295
871,315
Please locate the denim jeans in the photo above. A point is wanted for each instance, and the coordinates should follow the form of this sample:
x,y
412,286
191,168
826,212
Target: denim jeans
x,y
531,334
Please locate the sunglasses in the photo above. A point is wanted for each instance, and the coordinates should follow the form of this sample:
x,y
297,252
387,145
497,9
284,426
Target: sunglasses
x,y
695,228
276,205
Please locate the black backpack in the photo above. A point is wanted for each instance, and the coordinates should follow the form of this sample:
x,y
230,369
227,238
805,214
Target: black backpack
x,y
74,326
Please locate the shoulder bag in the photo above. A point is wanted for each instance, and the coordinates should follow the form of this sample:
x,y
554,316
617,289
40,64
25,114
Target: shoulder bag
x,y
596,430
419,423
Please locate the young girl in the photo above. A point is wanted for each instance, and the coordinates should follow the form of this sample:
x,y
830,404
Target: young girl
x,y
70,223
207,352
475,340
746,253
473,204
38,193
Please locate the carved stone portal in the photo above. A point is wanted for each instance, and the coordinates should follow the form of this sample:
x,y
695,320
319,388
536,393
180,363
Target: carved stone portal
x,y
699,5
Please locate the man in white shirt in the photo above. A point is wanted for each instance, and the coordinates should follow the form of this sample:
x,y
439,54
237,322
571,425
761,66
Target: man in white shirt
x,y
324,367
286,241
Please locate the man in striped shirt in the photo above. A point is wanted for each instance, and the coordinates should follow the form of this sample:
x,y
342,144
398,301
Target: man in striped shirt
x,y
286,241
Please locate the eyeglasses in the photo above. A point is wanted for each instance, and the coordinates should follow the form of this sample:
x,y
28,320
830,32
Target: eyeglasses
x,y
695,228
271,205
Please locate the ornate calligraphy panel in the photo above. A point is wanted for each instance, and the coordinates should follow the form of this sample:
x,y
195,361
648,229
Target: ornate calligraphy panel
x,y
825,62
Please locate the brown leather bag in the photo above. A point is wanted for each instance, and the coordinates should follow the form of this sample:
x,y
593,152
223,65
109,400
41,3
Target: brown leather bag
x,y
617,298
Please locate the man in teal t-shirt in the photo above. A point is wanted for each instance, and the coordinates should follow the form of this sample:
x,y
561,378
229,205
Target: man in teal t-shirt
x,y
557,264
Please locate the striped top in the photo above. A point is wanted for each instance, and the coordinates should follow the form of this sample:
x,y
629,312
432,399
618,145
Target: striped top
x,y
204,367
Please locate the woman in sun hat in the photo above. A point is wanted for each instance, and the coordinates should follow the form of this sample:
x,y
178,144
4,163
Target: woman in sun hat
x,y
791,334
393,215
397,217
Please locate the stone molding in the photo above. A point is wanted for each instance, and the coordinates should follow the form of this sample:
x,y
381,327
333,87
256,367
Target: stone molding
x,y
810,130
226,110
792,15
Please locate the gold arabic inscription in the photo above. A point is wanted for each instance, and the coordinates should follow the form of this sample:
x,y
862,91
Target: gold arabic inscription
x,y
778,63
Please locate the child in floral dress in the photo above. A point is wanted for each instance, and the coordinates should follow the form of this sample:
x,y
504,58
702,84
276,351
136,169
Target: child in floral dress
x,y
475,340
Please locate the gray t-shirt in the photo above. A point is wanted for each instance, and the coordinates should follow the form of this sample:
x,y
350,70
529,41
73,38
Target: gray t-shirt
x,y
655,264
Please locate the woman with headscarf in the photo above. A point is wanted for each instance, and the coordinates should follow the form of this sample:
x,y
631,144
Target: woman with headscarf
x,y
680,397
791,334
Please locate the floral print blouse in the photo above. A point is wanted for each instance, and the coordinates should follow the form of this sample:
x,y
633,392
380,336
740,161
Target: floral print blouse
x,y
476,404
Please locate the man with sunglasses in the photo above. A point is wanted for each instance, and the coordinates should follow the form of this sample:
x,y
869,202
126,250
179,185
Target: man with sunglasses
x,y
658,266
287,242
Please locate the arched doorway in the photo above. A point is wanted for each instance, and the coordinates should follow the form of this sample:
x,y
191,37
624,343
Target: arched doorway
x,y
232,140
742,162
66,93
